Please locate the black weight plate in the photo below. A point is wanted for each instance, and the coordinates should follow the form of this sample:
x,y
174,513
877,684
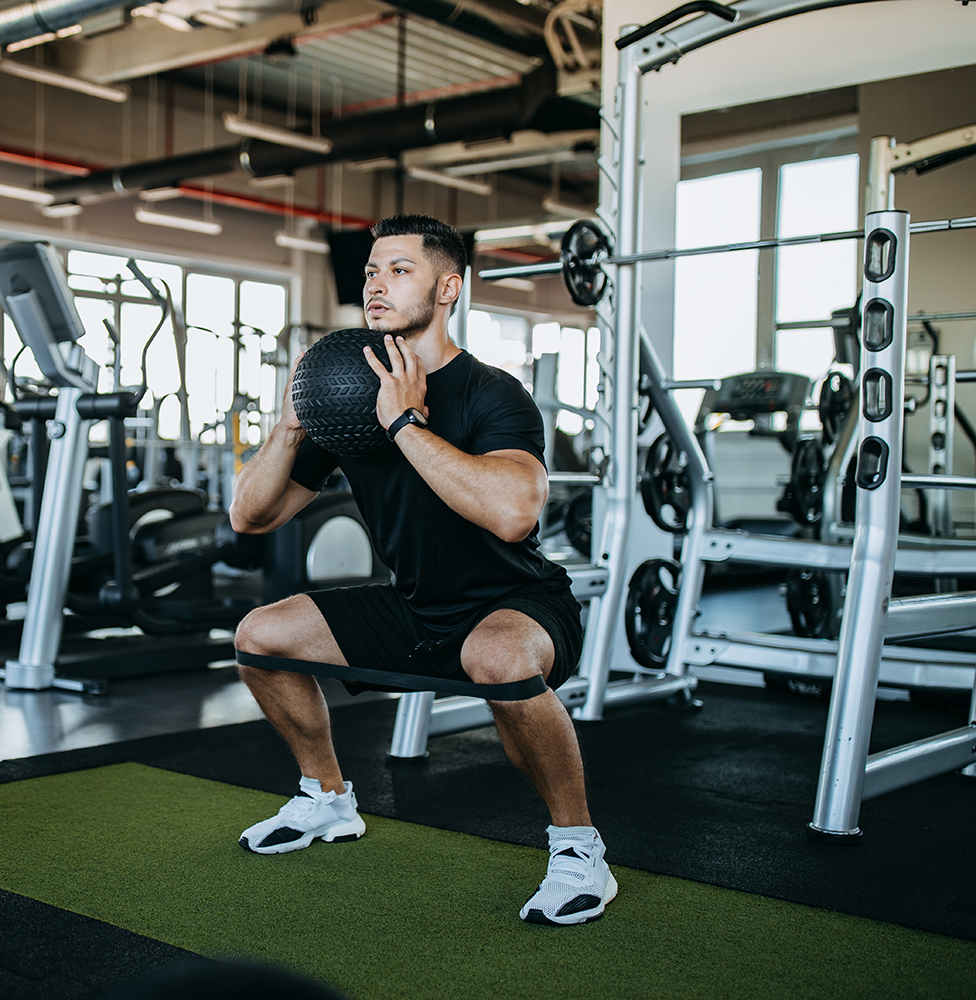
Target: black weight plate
x,y
807,481
585,279
579,523
649,618
664,486
814,600
836,397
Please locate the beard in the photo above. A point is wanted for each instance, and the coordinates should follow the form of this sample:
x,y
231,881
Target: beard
x,y
417,319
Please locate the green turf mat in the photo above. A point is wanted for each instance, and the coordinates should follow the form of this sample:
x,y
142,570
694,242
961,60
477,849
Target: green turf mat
x,y
422,914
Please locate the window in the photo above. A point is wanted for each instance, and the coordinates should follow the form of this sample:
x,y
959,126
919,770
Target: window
x,y
815,196
715,295
232,323
729,307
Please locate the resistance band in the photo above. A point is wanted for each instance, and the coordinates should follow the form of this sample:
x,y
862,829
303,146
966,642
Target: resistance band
x,y
510,691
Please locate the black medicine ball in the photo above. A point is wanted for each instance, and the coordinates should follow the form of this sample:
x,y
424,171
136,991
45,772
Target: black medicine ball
x,y
334,393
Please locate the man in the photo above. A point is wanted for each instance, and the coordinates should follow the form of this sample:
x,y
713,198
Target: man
x,y
452,505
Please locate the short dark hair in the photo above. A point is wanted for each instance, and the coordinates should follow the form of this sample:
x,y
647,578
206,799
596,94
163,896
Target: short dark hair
x,y
443,244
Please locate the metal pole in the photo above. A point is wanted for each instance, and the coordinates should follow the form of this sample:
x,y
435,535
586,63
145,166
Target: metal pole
x,y
612,549
884,326
54,543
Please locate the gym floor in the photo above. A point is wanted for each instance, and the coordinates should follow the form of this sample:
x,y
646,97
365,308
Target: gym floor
x,y
40,722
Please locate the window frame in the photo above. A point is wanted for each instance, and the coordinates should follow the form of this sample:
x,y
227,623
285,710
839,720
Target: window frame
x,y
769,150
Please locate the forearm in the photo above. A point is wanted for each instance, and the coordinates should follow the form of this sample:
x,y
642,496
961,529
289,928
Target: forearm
x,y
261,492
503,492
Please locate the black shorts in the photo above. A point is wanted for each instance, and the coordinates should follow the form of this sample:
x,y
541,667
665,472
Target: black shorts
x,y
375,628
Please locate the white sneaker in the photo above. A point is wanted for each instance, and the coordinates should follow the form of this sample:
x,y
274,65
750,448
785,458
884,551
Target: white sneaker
x,y
310,814
578,884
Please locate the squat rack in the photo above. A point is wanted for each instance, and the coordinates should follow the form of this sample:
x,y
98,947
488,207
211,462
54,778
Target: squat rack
x,y
847,773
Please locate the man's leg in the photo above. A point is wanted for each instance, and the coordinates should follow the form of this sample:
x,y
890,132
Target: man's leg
x,y
295,706
537,734
294,703
539,739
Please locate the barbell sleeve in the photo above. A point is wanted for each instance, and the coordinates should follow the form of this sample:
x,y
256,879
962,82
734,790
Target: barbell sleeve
x,y
523,271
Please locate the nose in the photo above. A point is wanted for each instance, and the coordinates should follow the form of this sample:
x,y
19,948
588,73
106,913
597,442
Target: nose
x,y
374,285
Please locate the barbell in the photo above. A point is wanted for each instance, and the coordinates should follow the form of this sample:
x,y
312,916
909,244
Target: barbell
x,y
586,248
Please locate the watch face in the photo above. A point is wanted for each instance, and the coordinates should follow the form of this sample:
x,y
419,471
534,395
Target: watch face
x,y
416,417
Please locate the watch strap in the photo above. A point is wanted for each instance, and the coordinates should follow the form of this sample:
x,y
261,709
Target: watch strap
x,y
405,418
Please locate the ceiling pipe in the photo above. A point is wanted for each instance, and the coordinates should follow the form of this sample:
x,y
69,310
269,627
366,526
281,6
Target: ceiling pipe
x,y
485,115
42,16
507,23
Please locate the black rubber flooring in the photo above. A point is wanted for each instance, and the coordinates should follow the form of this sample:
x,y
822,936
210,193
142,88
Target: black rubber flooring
x,y
720,796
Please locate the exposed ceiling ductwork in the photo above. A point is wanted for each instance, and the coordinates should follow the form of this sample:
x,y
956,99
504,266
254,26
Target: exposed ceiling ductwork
x,y
41,16
531,104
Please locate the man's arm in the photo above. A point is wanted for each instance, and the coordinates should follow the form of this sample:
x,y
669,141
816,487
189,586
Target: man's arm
x,y
502,491
265,495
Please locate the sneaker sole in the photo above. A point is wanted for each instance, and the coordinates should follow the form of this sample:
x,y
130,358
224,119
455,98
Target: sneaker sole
x,y
338,834
570,919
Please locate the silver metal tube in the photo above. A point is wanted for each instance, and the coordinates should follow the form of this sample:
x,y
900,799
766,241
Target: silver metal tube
x,y
939,482
604,615
860,647
917,761
930,614
54,543
412,726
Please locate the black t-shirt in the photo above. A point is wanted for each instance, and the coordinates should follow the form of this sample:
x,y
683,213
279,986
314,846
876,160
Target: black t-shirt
x,y
446,566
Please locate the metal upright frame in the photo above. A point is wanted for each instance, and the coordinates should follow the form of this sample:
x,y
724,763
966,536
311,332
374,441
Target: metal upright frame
x,y
420,715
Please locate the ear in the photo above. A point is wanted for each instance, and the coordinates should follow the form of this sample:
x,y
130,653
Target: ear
x,y
451,288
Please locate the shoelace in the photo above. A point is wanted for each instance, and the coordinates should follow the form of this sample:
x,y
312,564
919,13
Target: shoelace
x,y
302,805
568,863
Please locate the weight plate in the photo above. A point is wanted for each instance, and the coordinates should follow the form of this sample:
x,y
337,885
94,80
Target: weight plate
x,y
836,397
649,619
664,486
807,481
814,600
579,523
585,279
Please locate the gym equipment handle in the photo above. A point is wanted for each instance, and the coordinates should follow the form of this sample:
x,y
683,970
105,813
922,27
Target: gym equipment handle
x,y
695,7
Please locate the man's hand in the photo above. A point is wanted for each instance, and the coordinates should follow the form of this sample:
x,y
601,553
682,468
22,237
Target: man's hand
x,y
402,387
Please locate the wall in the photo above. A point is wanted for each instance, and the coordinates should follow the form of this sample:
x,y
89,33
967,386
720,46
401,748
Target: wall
x,y
942,264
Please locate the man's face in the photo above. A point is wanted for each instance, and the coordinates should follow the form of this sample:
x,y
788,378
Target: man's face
x,y
400,294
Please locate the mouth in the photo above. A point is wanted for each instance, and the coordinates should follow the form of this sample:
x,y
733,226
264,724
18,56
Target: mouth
x,y
376,308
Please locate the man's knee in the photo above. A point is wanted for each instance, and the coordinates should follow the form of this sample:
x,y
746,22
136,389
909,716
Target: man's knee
x,y
254,632
507,646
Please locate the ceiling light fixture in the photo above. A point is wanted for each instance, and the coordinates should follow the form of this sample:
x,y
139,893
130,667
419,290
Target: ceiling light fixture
x,y
213,19
209,227
459,183
48,36
26,194
49,76
556,207
283,239
240,125
63,211
515,162
271,181
376,163
539,232
164,18
518,284
160,194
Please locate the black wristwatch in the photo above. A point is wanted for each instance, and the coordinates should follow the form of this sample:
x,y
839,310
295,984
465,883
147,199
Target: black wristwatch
x,y
409,416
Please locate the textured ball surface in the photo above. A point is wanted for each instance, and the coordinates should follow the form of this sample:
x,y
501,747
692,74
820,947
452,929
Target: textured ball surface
x,y
334,393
